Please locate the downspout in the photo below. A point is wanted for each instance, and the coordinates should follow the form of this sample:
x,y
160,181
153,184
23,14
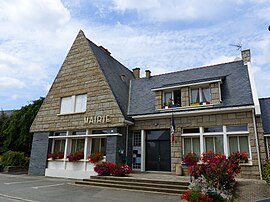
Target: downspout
x,y
127,144
257,143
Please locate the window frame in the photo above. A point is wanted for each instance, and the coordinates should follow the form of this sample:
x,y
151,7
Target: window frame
x,y
224,133
191,142
73,107
100,145
53,144
172,92
200,89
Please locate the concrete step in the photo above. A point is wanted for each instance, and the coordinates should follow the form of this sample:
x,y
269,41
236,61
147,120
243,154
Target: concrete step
x,y
135,179
137,184
141,184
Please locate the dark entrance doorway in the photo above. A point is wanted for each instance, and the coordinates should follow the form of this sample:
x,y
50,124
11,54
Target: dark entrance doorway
x,y
158,150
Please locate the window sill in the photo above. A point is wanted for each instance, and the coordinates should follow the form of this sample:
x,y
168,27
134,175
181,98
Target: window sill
x,y
71,113
249,163
50,159
187,107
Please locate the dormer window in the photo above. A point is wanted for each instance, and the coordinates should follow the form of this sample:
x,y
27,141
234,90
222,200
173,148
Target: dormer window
x,y
172,99
200,96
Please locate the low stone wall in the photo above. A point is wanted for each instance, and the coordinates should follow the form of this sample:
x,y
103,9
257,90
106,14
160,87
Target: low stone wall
x,y
15,169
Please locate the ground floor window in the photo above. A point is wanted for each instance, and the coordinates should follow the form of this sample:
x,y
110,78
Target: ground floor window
x,y
59,146
191,144
267,141
136,150
219,139
239,143
77,145
78,141
214,144
99,145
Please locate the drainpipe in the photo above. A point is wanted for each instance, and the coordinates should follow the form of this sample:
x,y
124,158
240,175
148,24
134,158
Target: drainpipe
x,y
257,143
127,142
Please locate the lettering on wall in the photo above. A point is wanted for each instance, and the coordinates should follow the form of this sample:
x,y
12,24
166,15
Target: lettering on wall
x,y
97,119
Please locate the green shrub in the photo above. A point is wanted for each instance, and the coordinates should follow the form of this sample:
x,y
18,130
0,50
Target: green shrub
x,y
266,172
13,158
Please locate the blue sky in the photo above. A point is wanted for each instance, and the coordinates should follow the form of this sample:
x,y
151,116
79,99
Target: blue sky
x,y
163,36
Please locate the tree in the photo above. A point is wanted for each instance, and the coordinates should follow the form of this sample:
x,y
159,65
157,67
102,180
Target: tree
x,y
16,134
3,123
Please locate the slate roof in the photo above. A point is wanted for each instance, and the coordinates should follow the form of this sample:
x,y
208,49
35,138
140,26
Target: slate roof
x,y
8,112
112,69
265,110
236,89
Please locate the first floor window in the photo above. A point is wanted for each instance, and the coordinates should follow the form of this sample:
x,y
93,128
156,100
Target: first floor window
x,y
239,143
75,103
77,145
172,98
214,144
191,145
99,145
59,146
200,95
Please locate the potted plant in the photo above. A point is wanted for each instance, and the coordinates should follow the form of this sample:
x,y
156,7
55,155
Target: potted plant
x,y
96,157
57,155
76,156
121,170
104,168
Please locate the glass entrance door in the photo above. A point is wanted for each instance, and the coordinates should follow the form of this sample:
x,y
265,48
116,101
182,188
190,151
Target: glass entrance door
x,y
158,150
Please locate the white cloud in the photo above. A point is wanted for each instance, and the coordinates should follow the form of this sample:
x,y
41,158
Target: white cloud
x,y
14,97
159,10
9,82
34,15
36,35
221,59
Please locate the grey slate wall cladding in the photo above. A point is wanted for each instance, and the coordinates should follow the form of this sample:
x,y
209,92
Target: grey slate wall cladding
x,y
114,143
265,109
111,149
39,154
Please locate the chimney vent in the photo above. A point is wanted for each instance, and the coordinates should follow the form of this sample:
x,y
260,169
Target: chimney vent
x,y
136,73
122,77
245,56
147,74
105,49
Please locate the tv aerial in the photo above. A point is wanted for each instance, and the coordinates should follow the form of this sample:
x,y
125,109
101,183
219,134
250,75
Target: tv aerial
x,y
238,46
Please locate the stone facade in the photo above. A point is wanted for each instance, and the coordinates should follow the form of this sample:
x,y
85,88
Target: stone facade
x,y
158,100
215,95
185,96
79,74
236,118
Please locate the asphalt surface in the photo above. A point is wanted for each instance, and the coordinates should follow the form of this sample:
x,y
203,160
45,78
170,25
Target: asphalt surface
x,y
14,188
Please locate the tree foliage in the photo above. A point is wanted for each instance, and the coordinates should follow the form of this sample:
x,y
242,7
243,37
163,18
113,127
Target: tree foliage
x,y
14,130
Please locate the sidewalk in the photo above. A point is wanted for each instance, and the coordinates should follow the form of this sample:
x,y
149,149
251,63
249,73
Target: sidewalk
x,y
247,190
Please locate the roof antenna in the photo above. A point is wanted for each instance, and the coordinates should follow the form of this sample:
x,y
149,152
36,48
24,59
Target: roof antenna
x,y
238,46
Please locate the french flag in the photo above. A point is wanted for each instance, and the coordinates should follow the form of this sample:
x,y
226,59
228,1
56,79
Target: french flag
x,y
172,129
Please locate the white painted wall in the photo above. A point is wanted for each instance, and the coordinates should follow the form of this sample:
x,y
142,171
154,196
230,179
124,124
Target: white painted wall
x,y
74,170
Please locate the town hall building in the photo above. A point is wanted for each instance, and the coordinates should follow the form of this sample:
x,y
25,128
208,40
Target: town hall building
x,y
96,104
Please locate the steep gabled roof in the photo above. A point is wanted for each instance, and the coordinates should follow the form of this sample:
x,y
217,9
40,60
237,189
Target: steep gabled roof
x,y
236,89
113,70
265,109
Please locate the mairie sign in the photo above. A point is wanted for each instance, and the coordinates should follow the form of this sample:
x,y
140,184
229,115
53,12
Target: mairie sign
x,y
97,119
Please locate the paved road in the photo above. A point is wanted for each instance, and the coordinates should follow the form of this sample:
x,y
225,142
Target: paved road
x,y
14,188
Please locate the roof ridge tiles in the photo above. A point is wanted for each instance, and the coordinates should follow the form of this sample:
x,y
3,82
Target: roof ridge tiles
x,y
192,69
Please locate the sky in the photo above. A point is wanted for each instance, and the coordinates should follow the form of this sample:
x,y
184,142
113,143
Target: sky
x,y
162,36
